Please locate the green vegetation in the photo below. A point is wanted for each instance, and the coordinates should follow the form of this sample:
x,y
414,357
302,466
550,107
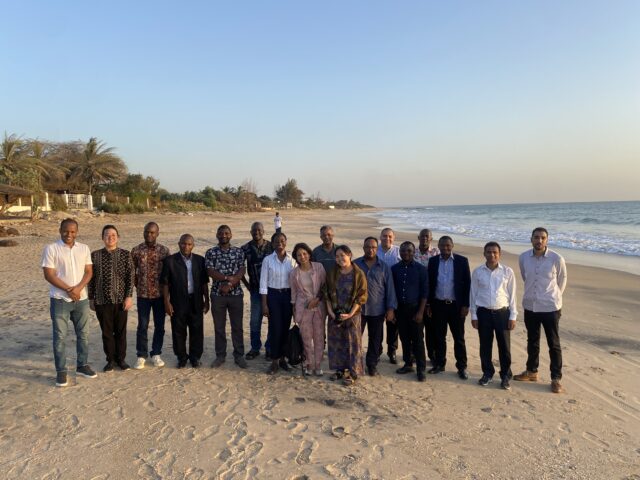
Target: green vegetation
x,y
92,167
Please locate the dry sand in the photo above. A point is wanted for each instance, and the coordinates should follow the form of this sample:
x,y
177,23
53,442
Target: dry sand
x,y
231,423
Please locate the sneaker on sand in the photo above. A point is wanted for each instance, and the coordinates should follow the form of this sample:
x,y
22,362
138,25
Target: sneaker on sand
x,y
86,371
139,365
319,372
241,362
108,367
218,362
505,385
485,380
526,376
157,361
61,379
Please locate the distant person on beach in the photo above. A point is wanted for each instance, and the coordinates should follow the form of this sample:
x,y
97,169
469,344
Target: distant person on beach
x,y
449,286
545,277
389,254
325,253
111,296
345,293
67,267
184,281
493,312
277,222
309,311
225,266
424,252
147,260
412,290
381,301
275,290
255,251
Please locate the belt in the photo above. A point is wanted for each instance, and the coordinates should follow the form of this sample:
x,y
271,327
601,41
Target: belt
x,y
497,310
279,290
446,301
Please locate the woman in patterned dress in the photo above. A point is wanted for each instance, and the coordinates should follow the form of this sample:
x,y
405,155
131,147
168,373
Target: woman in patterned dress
x,y
345,293
110,295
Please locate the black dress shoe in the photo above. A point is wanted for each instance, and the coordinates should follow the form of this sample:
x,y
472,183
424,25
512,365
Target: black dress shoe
x,y
405,369
284,365
372,371
436,370
463,374
182,363
124,366
196,363
421,376
392,359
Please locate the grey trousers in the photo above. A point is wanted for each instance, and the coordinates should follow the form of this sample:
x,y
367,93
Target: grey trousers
x,y
220,305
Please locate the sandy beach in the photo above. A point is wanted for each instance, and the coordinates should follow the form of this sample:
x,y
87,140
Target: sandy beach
x,y
228,423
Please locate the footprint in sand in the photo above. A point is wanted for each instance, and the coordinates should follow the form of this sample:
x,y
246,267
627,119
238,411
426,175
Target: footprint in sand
x,y
304,452
564,427
595,439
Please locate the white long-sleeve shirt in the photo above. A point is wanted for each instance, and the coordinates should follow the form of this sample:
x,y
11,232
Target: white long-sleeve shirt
x,y
275,273
545,278
493,289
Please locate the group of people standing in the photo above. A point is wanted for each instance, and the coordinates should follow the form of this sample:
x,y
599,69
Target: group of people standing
x,y
418,293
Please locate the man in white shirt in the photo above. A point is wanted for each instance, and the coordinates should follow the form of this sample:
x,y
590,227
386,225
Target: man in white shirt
x,y
277,222
493,310
389,254
545,277
67,267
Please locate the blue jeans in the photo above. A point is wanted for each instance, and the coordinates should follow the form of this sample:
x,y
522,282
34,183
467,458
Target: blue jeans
x,y
61,312
255,323
145,305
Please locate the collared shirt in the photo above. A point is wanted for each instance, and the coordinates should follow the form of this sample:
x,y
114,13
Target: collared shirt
x,y
545,278
327,259
148,266
423,258
277,221
226,262
445,287
275,273
69,263
493,289
112,279
411,282
189,264
391,256
381,293
254,255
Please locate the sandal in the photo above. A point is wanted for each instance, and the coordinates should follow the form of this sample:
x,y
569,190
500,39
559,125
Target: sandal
x,y
336,376
348,380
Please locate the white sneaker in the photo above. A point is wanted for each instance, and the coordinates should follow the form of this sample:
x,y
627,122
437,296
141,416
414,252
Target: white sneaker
x,y
139,363
319,372
157,361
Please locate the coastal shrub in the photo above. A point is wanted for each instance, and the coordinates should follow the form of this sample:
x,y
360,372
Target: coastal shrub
x,y
118,208
57,204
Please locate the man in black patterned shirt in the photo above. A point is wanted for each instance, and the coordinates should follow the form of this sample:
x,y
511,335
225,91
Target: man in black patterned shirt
x,y
225,266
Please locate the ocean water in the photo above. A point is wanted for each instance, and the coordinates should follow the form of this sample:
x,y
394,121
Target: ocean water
x,y
611,228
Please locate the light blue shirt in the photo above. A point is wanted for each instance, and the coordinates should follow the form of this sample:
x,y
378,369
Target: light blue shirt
x,y
444,287
391,256
189,264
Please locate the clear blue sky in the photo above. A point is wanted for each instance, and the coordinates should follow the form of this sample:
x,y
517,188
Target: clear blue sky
x,y
389,103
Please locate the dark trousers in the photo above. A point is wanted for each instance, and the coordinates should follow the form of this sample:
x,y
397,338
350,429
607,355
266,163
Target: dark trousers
x,y
113,323
188,323
280,312
550,321
496,322
376,332
220,305
430,336
145,307
448,314
411,335
392,337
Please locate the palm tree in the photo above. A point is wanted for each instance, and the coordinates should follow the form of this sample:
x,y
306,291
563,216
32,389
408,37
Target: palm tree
x,y
11,157
97,164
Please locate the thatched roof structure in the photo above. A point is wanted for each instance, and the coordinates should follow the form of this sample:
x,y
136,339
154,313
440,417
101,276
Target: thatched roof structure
x,y
14,191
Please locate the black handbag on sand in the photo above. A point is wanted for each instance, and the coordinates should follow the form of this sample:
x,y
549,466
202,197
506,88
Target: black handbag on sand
x,y
293,347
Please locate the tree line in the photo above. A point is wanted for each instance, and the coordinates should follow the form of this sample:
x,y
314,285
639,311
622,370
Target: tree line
x,y
94,168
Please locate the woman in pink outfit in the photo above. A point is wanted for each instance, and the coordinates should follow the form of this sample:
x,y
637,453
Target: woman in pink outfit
x,y
309,310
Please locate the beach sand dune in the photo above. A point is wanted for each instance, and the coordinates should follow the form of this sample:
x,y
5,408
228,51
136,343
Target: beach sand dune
x,y
164,423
